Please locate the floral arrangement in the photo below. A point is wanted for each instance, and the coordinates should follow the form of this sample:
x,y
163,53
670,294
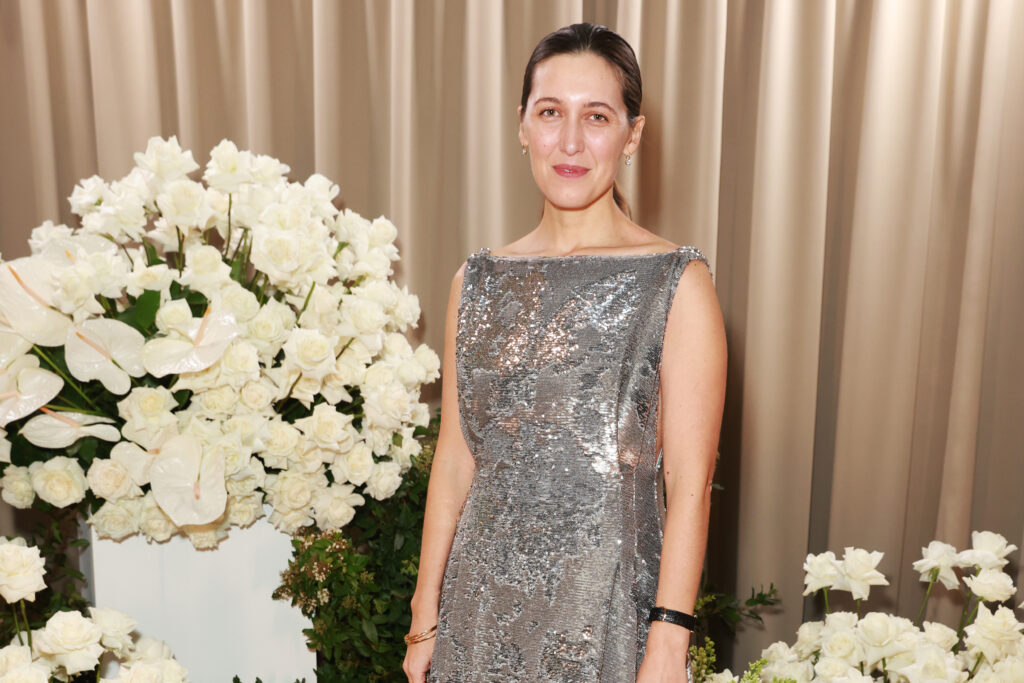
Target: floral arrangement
x,y
191,352
72,645
986,646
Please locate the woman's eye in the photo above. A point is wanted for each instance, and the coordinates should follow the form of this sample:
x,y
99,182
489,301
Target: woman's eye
x,y
600,117
547,112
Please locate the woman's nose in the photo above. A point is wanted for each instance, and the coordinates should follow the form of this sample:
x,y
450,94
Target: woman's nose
x,y
572,137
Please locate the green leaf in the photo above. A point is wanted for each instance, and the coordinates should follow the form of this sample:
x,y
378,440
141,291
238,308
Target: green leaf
x,y
370,629
142,314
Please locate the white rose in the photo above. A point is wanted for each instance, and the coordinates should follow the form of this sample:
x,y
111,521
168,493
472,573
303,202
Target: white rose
x,y
939,634
117,630
860,573
309,458
354,467
152,671
843,644
364,318
32,672
991,585
219,401
110,480
929,662
940,556
16,485
988,551
205,270
207,536
238,301
328,428
993,634
165,159
72,641
311,352
240,364
830,667
156,277
384,481
59,481
293,490
278,254
247,478
386,407
14,656
430,362
148,417
21,571
282,440
154,522
878,632
290,521
334,506
149,649
257,396
269,329
244,510
407,309
174,316
228,168
117,519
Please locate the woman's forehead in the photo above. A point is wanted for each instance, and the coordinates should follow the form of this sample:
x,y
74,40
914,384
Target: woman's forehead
x,y
583,77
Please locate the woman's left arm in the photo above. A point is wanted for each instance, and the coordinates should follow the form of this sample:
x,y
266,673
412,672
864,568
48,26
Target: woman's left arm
x,y
692,399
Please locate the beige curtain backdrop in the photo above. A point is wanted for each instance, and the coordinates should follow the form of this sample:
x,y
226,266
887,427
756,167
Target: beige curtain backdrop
x,y
854,170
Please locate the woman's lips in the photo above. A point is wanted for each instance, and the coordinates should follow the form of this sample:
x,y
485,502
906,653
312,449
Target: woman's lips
x,y
569,171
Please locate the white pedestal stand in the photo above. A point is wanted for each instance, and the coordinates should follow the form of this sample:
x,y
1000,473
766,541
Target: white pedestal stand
x,y
213,607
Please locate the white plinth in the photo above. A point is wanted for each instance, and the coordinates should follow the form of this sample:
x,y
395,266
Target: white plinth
x,y
213,607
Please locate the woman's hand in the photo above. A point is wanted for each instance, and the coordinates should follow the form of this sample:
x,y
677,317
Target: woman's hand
x,y
417,660
665,654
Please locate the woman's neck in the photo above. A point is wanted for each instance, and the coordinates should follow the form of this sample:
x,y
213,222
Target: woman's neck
x,y
566,230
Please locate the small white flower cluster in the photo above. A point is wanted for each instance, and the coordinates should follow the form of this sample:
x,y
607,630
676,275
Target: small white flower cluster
x,y
70,642
846,648
313,321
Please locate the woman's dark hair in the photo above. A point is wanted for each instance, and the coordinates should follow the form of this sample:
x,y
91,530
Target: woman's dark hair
x,y
603,42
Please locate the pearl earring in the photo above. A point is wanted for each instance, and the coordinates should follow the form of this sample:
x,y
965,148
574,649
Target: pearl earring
x,y
524,150
627,160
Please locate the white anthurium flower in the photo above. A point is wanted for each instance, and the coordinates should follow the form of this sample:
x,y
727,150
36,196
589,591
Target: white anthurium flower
x,y
25,301
60,430
107,350
135,459
24,388
12,347
207,339
188,485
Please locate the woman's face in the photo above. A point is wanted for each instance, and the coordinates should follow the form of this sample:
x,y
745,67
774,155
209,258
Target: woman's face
x,y
576,128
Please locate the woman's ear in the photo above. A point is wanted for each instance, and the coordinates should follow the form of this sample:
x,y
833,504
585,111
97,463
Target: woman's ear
x,y
635,134
522,133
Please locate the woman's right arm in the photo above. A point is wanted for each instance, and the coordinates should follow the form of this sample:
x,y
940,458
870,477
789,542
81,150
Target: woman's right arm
x,y
451,474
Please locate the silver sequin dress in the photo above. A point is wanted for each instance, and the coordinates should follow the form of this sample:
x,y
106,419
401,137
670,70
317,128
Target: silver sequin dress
x,y
554,564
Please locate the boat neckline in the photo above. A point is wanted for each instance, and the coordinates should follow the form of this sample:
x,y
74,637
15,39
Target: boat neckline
x,y
486,251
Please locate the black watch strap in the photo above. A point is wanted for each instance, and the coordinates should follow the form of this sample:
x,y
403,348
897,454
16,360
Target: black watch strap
x,y
673,617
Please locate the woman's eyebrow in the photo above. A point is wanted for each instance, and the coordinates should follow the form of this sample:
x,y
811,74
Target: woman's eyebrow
x,y
595,103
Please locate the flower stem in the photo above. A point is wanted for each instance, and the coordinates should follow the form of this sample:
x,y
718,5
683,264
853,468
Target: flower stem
x,y
858,608
963,621
825,593
28,629
931,582
974,669
66,378
17,628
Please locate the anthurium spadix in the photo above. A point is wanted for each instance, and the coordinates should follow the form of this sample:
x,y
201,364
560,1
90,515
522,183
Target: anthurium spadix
x,y
26,294
107,350
201,347
24,388
187,483
60,430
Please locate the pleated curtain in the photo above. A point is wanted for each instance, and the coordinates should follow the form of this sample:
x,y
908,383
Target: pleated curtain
x,y
854,170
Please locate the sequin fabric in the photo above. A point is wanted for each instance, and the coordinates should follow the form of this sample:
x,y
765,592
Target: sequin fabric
x,y
554,564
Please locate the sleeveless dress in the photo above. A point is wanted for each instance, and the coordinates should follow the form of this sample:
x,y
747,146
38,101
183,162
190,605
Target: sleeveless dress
x,y
554,563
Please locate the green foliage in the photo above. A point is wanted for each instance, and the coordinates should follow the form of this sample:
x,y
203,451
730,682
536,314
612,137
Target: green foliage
x,y
725,608
56,538
356,585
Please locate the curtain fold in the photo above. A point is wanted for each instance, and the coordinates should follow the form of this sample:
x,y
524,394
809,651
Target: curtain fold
x,y
850,167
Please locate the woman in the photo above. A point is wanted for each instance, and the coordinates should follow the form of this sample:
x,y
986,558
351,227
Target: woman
x,y
579,361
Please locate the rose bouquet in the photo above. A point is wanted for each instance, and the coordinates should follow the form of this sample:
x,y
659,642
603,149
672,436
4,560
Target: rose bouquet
x,y
987,644
192,352
71,643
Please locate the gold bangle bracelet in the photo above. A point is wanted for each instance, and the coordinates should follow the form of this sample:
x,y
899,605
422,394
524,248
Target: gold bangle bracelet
x,y
422,635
